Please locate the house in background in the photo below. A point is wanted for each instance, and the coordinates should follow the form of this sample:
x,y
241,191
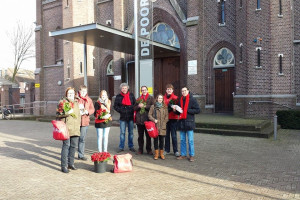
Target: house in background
x,y
20,91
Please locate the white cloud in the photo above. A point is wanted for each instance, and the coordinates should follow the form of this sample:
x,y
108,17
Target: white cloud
x,y
10,13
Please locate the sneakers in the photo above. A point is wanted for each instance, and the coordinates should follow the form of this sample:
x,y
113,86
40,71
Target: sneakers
x,y
177,154
192,159
132,149
72,167
120,150
64,170
181,158
82,158
166,153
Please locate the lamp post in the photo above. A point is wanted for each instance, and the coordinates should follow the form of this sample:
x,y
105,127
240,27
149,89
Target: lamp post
x,y
136,50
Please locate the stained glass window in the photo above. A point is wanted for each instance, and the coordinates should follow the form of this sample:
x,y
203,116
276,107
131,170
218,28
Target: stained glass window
x,y
164,34
224,58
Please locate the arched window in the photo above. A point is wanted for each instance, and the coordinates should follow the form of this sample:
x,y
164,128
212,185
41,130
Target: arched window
x,y
109,69
224,58
164,34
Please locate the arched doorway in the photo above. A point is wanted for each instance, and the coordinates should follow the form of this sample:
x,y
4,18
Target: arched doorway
x,y
110,79
166,69
224,64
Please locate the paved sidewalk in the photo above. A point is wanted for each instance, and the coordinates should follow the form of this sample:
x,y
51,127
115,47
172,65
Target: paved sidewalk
x,y
224,168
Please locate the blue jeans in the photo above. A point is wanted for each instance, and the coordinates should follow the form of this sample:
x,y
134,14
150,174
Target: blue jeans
x,y
102,137
81,142
123,131
68,151
190,135
171,131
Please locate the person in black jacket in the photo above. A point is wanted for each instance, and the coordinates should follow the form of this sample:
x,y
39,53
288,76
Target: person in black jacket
x,y
142,107
186,124
124,103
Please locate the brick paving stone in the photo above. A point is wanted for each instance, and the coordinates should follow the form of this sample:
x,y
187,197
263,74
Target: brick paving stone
x,y
224,168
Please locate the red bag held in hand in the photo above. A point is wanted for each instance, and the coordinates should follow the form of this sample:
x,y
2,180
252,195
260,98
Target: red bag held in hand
x,y
60,130
122,163
151,129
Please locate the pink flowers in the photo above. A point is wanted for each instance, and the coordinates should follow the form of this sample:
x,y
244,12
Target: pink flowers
x,y
100,157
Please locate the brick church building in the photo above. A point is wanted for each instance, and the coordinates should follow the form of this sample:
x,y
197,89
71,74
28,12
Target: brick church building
x,y
240,57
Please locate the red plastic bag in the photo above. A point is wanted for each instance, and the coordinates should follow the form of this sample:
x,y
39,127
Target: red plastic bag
x,y
134,116
122,163
151,129
60,130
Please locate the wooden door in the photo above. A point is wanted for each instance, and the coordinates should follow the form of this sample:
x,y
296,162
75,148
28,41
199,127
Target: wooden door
x,y
111,86
166,70
224,87
131,77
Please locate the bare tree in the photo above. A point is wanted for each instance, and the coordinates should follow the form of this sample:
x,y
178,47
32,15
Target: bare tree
x,y
23,43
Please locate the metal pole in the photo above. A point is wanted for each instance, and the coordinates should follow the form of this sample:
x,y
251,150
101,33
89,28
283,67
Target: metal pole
x,y
85,61
275,127
136,50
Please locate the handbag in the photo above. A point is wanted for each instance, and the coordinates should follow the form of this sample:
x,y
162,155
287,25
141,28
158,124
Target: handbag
x,y
122,163
134,116
151,129
60,130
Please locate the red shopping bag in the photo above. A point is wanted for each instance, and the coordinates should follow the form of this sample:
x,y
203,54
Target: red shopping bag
x,y
60,130
134,116
151,129
122,163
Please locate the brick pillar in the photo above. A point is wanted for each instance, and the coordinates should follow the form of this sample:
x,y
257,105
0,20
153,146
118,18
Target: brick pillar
x,y
195,82
117,56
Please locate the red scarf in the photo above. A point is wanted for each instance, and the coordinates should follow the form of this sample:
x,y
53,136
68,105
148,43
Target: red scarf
x,y
126,100
84,98
167,100
186,105
145,97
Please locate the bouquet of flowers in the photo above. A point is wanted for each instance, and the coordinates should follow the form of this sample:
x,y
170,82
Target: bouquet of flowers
x,y
64,107
100,157
173,101
141,100
102,114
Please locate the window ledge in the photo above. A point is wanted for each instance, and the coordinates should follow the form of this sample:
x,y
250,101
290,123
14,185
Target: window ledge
x,y
280,16
258,9
280,74
258,67
67,79
80,74
241,62
222,24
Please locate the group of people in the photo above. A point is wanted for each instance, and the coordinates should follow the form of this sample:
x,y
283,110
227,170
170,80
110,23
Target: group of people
x,y
167,111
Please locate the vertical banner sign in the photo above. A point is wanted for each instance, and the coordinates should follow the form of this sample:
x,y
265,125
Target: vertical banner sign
x,y
146,55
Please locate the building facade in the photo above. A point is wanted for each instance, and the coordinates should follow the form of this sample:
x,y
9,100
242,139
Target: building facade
x,y
239,57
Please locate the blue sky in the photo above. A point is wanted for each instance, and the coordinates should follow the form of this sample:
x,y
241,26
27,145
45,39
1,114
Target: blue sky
x,y
11,12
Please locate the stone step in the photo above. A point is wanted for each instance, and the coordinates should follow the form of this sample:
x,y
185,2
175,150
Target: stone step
x,y
241,127
266,132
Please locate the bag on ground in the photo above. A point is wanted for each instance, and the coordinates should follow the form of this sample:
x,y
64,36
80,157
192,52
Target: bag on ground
x,y
151,129
122,163
60,130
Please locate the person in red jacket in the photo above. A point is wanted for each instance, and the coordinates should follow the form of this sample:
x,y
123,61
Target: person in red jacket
x,y
86,109
171,99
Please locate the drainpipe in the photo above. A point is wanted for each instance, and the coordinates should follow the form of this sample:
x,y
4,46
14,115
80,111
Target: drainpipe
x,y
129,62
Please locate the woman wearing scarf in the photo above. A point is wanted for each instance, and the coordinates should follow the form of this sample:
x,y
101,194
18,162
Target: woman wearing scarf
x,y
102,105
159,115
72,119
186,123
124,105
86,109
142,107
